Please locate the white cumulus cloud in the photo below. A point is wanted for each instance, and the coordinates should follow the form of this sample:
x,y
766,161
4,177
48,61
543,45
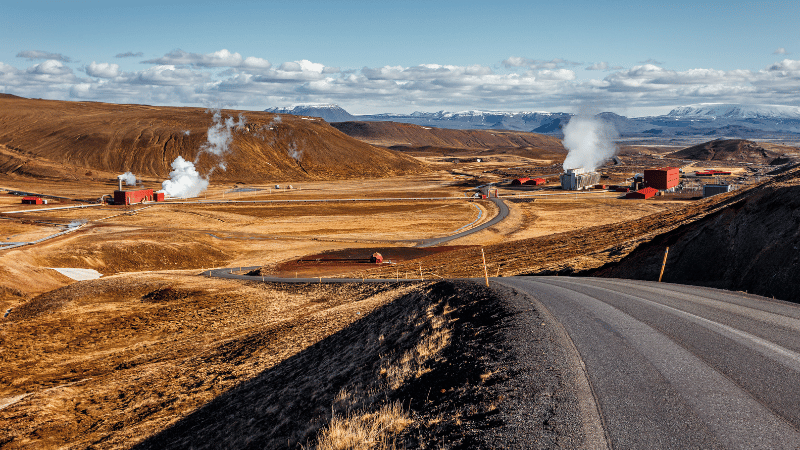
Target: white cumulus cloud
x,y
516,83
102,70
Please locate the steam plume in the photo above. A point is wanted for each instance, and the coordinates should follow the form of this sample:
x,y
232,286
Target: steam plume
x,y
590,142
184,180
220,137
294,152
129,178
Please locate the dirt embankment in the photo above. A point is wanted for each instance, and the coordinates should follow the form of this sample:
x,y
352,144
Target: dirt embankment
x,y
408,137
41,134
753,245
188,362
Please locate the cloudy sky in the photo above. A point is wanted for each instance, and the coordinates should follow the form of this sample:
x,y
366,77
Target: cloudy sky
x,y
634,58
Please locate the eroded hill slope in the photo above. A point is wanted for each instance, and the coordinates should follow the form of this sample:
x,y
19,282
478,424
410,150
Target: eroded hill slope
x,y
740,150
146,140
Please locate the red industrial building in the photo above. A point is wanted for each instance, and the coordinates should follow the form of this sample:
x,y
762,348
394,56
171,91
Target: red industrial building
x,y
158,196
662,178
132,197
31,201
642,194
520,181
535,181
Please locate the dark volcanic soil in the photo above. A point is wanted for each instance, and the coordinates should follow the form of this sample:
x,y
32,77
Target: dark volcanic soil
x,y
753,245
498,383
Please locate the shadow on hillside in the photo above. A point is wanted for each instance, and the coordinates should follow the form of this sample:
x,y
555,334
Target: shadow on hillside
x,y
286,405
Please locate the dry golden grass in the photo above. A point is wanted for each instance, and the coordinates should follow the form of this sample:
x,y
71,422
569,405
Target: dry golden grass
x,y
433,337
364,430
148,349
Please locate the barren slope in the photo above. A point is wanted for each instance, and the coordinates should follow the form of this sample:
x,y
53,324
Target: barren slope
x,y
729,150
413,137
146,139
750,246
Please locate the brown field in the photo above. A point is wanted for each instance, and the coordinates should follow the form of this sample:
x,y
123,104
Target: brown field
x,y
110,362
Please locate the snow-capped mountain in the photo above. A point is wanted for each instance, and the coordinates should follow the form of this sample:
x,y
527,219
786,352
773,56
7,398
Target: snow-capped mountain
x,y
707,119
728,111
466,120
329,113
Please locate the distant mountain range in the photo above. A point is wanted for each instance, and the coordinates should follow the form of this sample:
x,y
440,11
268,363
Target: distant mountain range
x,y
707,119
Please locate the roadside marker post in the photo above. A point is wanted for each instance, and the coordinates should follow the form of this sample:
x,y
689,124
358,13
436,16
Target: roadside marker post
x,y
420,272
663,264
485,270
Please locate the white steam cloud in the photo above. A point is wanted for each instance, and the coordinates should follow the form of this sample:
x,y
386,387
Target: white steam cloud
x,y
184,180
129,178
294,152
590,142
220,137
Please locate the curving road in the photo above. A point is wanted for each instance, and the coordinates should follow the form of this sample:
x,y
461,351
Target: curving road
x,y
673,366
502,214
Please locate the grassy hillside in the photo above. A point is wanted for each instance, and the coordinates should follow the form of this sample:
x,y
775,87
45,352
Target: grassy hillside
x,y
146,139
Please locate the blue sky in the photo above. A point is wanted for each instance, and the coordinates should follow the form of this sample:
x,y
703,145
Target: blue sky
x,y
634,58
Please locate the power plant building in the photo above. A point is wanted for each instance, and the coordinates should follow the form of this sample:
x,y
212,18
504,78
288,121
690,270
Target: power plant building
x,y
662,178
132,197
578,179
32,201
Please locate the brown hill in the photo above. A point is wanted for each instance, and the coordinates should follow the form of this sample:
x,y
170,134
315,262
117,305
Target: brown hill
x,y
146,139
739,150
403,136
750,246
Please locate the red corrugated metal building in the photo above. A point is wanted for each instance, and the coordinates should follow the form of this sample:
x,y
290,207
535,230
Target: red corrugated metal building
x,y
132,197
536,181
519,181
158,196
31,200
662,178
642,194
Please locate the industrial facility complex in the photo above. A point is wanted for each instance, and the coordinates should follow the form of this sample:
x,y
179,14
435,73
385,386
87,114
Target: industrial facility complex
x,y
652,182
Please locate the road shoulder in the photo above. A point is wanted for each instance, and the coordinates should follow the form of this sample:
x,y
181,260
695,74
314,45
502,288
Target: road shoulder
x,y
546,404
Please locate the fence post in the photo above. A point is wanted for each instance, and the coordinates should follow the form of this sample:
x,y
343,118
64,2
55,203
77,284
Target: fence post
x,y
663,264
485,270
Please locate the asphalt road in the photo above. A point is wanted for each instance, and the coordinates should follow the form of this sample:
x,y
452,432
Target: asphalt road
x,y
673,366
503,212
